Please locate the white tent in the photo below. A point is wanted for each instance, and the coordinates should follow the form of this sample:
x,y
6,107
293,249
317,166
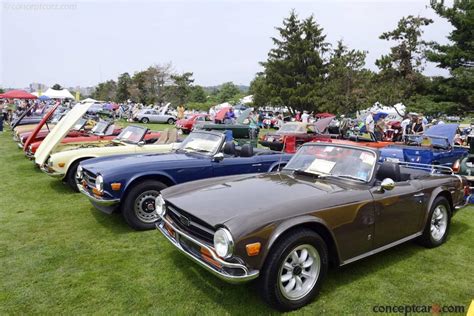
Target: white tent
x,y
58,94
395,112
247,99
89,100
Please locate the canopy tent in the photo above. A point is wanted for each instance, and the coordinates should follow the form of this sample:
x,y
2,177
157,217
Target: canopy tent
x,y
17,94
247,99
89,100
44,97
58,94
394,113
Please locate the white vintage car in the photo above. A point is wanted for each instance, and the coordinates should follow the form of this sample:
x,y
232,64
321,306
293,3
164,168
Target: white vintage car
x,y
63,164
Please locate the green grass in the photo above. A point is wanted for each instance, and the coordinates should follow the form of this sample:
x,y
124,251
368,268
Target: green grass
x,y
60,255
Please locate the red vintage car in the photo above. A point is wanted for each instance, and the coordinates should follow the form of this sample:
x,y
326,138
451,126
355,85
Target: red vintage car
x,y
301,132
187,124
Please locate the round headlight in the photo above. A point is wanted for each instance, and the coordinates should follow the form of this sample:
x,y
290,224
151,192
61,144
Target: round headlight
x,y
79,172
99,183
160,205
223,243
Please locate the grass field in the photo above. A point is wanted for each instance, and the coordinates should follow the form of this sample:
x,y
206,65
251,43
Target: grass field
x,y
60,255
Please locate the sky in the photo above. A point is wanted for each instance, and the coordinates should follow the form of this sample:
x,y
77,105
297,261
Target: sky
x,y
82,43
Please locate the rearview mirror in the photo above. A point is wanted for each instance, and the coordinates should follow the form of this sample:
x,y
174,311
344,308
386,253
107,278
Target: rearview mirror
x,y
141,143
218,157
387,184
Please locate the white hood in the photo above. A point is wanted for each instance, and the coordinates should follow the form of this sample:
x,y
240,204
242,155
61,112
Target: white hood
x,y
59,131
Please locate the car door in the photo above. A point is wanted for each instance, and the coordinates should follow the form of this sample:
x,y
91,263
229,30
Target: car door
x,y
236,165
155,116
398,212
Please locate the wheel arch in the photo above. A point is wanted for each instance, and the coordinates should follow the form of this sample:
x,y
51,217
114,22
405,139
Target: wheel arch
x,y
443,192
313,223
73,161
158,176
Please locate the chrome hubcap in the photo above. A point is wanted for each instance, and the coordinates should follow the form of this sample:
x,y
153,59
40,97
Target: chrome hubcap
x,y
145,206
439,222
299,272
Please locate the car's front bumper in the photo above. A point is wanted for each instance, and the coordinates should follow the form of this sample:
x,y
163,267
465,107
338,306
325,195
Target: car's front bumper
x,y
104,205
180,236
51,172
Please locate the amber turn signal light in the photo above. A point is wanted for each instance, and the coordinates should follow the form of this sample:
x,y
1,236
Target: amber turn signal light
x,y
116,186
456,166
97,192
253,249
61,164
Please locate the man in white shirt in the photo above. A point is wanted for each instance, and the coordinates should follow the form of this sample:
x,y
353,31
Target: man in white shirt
x,y
305,117
370,123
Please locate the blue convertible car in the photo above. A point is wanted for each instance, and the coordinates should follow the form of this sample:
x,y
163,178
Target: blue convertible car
x,y
131,183
434,147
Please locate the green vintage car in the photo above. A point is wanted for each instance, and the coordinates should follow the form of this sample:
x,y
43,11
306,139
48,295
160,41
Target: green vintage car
x,y
465,166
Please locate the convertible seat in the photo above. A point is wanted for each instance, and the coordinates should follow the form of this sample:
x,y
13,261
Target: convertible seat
x,y
163,137
246,151
229,148
390,170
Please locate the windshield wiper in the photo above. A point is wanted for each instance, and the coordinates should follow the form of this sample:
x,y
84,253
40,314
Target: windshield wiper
x,y
306,173
347,176
192,149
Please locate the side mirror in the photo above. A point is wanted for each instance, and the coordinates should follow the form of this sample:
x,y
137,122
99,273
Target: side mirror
x,y
141,143
387,185
218,157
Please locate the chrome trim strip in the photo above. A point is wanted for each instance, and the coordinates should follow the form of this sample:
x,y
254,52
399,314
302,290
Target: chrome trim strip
x,y
390,245
52,174
249,275
96,200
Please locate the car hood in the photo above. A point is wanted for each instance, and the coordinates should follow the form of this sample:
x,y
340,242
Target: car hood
x,y
104,165
414,154
59,131
247,200
40,125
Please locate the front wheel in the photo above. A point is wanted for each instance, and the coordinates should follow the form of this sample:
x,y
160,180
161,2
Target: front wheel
x,y
170,121
437,226
71,176
145,120
294,270
138,208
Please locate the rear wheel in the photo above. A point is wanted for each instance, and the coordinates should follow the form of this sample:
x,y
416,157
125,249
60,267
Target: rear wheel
x,y
170,121
71,176
294,270
145,120
138,208
437,226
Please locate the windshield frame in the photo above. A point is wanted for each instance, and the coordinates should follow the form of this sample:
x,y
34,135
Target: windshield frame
x,y
209,154
95,132
371,176
414,138
119,140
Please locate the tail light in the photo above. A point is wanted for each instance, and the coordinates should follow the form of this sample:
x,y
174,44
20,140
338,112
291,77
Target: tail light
x,y
456,166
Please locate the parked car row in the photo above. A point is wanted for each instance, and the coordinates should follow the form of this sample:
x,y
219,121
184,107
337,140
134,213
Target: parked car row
x,y
245,213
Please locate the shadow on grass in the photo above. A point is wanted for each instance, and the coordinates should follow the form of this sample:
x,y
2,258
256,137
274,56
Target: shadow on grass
x,y
113,222
231,297
61,187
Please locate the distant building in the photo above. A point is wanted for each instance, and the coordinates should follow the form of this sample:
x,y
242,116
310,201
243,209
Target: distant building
x,y
35,86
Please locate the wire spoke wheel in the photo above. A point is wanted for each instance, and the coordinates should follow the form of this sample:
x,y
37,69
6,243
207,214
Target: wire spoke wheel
x,y
439,222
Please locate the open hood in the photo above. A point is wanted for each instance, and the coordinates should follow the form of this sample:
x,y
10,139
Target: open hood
x,y
322,124
40,125
59,131
443,130
22,116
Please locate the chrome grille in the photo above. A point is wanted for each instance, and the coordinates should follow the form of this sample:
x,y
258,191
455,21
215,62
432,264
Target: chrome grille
x,y
191,224
89,177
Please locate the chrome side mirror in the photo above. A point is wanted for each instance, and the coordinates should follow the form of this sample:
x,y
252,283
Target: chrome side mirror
x,y
218,157
141,143
387,185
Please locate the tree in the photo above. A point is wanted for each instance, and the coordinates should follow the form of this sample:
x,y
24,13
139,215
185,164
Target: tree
x,y
123,87
227,92
182,86
197,94
347,82
2,91
457,56
105,91
295,69
259,90
56,86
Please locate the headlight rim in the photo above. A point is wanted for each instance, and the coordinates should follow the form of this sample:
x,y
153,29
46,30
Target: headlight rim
x,y
230,243
99,185
163,205
79,172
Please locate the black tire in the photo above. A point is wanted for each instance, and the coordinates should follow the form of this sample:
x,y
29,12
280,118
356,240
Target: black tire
x,y
186,131
145,190
71,176
269,282
427,239
170,121
145,120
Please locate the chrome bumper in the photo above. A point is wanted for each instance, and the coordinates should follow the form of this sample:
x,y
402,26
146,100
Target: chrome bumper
x,y
53,174
97,200
247,276
466,203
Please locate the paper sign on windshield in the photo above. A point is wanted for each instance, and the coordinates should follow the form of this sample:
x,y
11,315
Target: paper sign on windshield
x,y
321,166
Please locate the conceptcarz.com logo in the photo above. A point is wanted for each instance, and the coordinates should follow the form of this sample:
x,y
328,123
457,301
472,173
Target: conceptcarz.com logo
x,y
434,309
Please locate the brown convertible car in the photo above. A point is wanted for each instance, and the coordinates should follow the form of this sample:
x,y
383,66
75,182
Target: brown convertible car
x,y
332,203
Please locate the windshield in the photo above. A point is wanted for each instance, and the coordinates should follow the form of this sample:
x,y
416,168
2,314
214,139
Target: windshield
x,y
202,143
428,141
79,124
293,128
334,161
100,128
131,134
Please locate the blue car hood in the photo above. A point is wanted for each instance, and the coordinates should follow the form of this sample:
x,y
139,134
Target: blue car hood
x,y
105,164
407,153
443,130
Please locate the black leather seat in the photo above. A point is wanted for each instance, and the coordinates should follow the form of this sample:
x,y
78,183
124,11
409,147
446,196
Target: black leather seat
x,y
229,148
246,151
390,170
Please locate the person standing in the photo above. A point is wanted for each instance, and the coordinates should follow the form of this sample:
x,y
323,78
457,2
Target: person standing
x,y
180,112
305,117
418,127
1,116
370,123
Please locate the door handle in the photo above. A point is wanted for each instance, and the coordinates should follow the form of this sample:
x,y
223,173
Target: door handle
x,y
419,195
256,165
